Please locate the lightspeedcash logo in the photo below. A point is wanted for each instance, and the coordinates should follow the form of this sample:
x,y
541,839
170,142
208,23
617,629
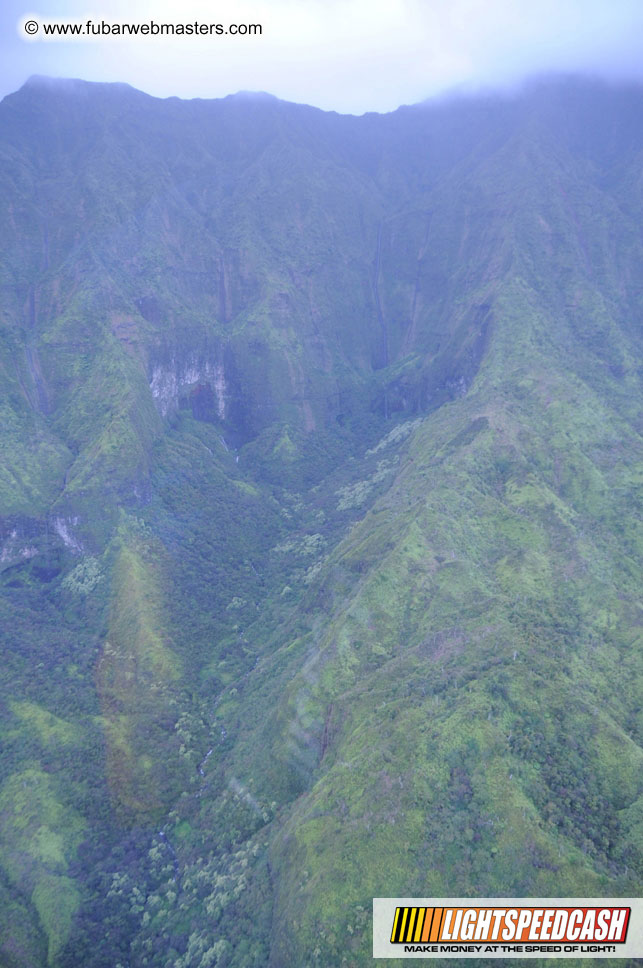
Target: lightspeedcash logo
x,y
508,927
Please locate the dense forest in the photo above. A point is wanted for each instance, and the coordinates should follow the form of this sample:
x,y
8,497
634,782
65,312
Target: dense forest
x,y
320,543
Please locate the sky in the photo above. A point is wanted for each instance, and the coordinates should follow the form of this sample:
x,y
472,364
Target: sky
x,y
350,56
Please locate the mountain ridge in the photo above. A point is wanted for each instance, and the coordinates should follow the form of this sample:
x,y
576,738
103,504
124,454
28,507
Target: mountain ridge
x,y
321,451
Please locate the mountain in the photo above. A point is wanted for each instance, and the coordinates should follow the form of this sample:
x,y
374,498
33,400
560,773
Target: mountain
x,y
319,537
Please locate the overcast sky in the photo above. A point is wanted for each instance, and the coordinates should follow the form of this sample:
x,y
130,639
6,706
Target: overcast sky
x,y
344,55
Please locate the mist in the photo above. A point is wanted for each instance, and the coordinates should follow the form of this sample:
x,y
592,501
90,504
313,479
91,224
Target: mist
x,y
345,55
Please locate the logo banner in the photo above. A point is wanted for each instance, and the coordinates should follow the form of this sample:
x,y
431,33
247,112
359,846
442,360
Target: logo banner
x,y
503,927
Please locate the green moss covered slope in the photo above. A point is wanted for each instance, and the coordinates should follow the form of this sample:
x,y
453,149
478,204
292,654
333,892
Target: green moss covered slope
x,y
320,544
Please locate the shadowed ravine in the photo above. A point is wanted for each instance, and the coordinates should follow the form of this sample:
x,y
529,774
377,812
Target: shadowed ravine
x,y
319,545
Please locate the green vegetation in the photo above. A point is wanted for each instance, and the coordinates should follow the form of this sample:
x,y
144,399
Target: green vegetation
x,y
39,835
319,554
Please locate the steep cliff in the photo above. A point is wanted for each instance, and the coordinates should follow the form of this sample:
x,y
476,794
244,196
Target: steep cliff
x,y
319,551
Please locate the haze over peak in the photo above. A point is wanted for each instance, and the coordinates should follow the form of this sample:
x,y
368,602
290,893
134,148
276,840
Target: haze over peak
x,y
74,83
351,57
541,86
319,555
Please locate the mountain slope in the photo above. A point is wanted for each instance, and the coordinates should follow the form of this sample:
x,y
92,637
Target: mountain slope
x,y
321,560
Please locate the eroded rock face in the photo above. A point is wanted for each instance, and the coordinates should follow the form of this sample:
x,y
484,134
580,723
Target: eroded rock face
x,y
63,528
15,548
19,541
198,380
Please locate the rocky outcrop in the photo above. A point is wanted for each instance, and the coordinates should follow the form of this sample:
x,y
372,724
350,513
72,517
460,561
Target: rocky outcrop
x,y
200,382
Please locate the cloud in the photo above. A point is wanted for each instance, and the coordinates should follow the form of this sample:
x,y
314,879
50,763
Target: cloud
x,y
347,55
